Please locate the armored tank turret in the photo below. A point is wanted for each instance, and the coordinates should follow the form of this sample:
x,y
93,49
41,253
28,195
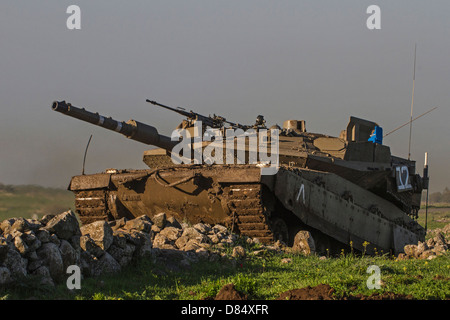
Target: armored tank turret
x,y
342,189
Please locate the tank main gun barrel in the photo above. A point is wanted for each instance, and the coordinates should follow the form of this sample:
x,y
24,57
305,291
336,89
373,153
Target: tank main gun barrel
x,y
132,129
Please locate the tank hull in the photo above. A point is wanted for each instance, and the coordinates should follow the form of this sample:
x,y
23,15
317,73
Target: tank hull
x,y
251,204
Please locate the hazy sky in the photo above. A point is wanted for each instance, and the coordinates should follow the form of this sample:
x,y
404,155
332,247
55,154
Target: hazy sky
x,y
311,60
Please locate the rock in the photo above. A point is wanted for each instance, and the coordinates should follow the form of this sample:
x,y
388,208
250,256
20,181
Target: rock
x,y
238,252
31,240
219,228
160,240
202,253
87,263
14,261
100,232
6,225
68,254
402,256
45,219
440,239
20,245
117,224
410,250
33,224
122,255
286,260
64,225
142,223
3,248
193,233
160,220
171,233
260,252
89,245
439,249
172,222
214,257
304,243
213,238
45,277
425,254
145,247
181,242
106,265
120,239
192,245
421,247
202,228
20,224
5,276
43,235
54,239
51,257
31,256
75,243
155,229
33,265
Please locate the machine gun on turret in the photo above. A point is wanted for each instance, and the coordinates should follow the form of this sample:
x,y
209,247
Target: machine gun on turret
x,y
214,121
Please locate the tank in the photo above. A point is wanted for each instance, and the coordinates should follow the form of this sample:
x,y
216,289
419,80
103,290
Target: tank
x,y
345,189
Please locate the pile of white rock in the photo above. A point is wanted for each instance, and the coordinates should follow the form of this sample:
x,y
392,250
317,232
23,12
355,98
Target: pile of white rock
x,y
438,244
45,248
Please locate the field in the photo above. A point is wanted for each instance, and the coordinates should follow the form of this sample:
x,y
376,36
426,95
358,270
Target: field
x,y
33,201
438,216
262,277
259,277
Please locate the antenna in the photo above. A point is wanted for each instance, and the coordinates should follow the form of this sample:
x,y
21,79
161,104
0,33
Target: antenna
x,y
85,152
412,103
409,122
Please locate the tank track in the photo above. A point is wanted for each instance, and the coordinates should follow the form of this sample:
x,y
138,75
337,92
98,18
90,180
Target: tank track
x,y
247,212
91,205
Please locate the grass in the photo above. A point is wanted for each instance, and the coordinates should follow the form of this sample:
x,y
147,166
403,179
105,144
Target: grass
x,y
29,201
438,216
262,278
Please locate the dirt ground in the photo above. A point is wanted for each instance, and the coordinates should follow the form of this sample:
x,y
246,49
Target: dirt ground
x,y
319,292
228,292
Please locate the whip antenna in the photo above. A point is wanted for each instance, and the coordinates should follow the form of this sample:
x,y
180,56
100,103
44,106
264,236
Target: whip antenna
x,y
85,152
412,104
409,122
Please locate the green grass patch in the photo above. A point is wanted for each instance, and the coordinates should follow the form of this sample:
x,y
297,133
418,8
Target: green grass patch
x,y
29,201
263,278
438,217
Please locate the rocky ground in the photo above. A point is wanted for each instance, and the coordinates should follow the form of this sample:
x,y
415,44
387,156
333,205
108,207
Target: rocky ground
x,y
45,248
436,245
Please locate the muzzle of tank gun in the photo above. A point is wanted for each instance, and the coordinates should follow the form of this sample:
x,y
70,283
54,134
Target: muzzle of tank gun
x,y
132,129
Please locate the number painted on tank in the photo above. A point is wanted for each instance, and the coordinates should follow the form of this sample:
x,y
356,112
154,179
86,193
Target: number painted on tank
x,y
402,177
301,192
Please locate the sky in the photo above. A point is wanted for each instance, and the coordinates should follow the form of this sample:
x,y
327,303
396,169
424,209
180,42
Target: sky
x,y
286,59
